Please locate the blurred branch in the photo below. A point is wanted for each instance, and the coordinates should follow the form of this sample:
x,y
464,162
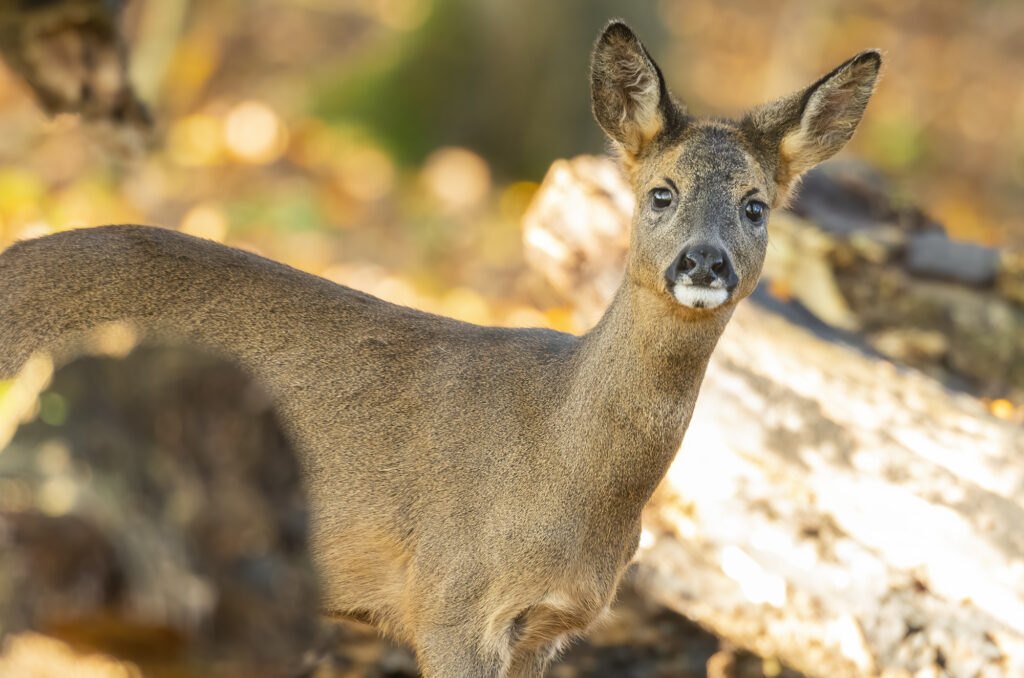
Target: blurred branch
x,y
73,56
159,32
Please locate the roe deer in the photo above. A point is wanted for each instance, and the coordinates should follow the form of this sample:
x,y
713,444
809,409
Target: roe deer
x,y
475,491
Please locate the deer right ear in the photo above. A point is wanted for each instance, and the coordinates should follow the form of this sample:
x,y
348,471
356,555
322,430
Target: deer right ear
x,y
630,100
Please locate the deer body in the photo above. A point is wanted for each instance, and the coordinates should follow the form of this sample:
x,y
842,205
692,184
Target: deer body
x,y
475,491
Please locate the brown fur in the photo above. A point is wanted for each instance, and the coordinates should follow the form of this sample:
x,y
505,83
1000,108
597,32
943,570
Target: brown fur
x,y
475,491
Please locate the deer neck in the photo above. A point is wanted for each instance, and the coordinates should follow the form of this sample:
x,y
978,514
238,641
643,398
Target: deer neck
x,y
636,381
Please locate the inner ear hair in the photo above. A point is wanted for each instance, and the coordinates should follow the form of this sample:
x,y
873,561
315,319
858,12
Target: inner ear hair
x,y
630,100
800,131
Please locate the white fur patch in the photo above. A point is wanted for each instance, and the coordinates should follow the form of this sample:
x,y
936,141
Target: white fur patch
x,y
699,296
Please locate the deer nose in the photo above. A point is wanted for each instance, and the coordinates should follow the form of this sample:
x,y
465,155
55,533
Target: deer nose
x,y
702,263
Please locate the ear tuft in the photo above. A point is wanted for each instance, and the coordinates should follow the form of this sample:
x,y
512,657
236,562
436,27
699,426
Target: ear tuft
x,y
628,93
617,30
800,131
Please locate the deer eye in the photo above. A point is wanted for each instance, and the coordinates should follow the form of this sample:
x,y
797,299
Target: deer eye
x,y
661,198
756,211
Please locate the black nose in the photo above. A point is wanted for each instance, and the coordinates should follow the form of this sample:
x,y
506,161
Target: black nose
x,y
703,263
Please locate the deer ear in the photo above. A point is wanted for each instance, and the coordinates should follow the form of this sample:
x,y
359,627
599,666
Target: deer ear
x,y
800,131
629,97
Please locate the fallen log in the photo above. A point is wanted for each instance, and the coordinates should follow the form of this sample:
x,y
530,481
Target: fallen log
x,y
828,508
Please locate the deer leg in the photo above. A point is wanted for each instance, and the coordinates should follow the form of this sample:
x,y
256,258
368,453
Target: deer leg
x,y
539,633
530,663
455,652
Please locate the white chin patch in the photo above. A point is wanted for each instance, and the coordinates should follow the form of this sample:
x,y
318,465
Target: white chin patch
x,y
699,296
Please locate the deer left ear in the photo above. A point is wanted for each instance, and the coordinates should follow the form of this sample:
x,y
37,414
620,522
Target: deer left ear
x,y
800,131
629,96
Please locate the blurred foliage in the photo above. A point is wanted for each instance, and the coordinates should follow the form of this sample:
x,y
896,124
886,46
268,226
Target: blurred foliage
x,y
411,133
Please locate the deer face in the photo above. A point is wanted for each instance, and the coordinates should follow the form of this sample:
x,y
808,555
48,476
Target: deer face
x,y
705,188
700,228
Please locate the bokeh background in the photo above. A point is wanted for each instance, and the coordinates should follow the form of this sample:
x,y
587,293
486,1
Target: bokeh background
x,y
394,144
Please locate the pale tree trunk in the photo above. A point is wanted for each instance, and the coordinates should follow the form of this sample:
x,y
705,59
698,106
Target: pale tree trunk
x,y
827,508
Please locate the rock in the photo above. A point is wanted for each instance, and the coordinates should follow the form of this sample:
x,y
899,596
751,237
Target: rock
x,y
909,343
1011,277
843,198
935,255
847,197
